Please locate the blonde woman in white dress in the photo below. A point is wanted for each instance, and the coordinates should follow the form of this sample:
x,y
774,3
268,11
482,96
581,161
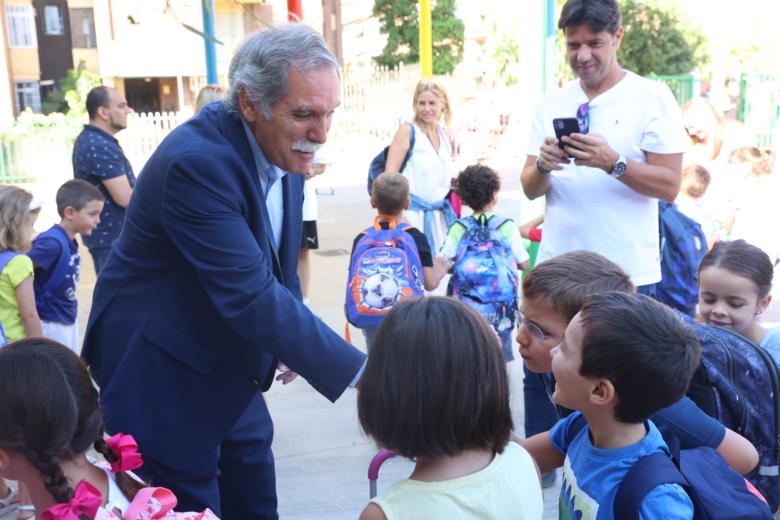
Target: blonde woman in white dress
x,y
430,168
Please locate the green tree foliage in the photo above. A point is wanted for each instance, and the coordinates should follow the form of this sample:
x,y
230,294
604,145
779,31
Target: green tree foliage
x,y
70,96
506,55
400,21
659,41
447,37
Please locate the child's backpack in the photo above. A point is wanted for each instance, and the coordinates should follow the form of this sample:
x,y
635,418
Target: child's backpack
x,y
738,384
5,257
485,268
43,295
683,245
377,165
716,491
385,268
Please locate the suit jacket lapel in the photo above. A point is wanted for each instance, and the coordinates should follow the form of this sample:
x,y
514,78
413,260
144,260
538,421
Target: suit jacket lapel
x,y
233,131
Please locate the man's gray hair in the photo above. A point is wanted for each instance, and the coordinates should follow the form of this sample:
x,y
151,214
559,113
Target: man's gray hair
x,y
262,62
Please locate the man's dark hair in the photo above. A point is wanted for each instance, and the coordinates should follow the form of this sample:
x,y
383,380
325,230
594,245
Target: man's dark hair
x,y
477,186
564,283
97,97
390,193
742,259
599,15
76,193
435,382
643,347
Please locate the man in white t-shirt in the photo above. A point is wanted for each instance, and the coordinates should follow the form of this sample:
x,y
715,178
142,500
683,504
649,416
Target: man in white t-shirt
x,y
628,155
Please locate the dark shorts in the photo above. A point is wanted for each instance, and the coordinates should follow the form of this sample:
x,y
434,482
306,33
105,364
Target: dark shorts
x,y
309,239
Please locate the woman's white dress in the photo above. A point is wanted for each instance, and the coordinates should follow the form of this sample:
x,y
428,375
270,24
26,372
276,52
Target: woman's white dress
x,y
429,173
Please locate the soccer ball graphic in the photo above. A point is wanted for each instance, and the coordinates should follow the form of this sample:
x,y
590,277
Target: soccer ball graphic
x,y
380,291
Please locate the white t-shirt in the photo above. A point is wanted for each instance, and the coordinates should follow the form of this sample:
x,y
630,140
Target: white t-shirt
x,y
309,209
586,208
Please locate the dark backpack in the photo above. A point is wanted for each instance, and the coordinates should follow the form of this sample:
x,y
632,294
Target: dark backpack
x,y
5,257
716,491
485,269
385,268
683,245
377,165
738,384
45,293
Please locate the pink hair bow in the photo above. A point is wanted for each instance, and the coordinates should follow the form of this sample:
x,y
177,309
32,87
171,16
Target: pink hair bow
x,y
126,450
85,502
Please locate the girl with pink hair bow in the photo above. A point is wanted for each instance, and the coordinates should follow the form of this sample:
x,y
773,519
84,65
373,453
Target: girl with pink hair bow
x,y
49,418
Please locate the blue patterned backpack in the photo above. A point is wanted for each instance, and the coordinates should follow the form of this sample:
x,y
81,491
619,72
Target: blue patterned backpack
x,y
485,270
385,268
738,384
5,257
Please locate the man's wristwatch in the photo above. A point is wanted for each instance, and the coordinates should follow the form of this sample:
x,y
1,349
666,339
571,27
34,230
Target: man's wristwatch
x,y
618,167
542,169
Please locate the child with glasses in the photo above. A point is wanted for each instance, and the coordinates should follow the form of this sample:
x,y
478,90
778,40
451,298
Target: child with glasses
x,y
553,293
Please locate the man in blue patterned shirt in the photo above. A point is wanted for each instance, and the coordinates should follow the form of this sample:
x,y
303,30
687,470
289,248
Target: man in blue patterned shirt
x,y
99,160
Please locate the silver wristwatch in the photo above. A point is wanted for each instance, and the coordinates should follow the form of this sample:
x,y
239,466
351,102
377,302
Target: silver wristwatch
x,y
542,169
618,167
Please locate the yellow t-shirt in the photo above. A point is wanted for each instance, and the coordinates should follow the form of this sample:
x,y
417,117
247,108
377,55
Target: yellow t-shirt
x,y
16,271
508,488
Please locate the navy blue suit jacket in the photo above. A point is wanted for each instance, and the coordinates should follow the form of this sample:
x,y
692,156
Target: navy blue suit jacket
x,y
194,306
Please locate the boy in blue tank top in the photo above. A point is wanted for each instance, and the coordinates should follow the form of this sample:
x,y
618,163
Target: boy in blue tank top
x,y
55,256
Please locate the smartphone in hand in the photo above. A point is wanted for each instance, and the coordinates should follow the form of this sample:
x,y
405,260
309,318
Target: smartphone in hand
x,y
564,126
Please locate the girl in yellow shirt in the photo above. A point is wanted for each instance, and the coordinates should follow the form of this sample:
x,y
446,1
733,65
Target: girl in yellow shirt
x,y
18,316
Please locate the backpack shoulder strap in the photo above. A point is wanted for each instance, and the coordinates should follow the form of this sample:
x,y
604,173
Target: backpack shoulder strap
x,y
495,221
411,147
5,257
575,427
647,473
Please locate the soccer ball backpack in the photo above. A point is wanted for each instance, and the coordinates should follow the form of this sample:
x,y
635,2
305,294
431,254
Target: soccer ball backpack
x,y
385,269
484,274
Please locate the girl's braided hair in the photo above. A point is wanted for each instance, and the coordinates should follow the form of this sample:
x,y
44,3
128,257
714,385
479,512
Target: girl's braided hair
x,y
38,413
89,426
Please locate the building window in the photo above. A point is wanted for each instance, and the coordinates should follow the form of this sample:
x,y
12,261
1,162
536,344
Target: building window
x,y
21,26
28,94
52,20
82,28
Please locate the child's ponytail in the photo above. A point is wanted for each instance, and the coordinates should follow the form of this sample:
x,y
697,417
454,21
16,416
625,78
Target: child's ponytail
x,y
53,478
127,484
